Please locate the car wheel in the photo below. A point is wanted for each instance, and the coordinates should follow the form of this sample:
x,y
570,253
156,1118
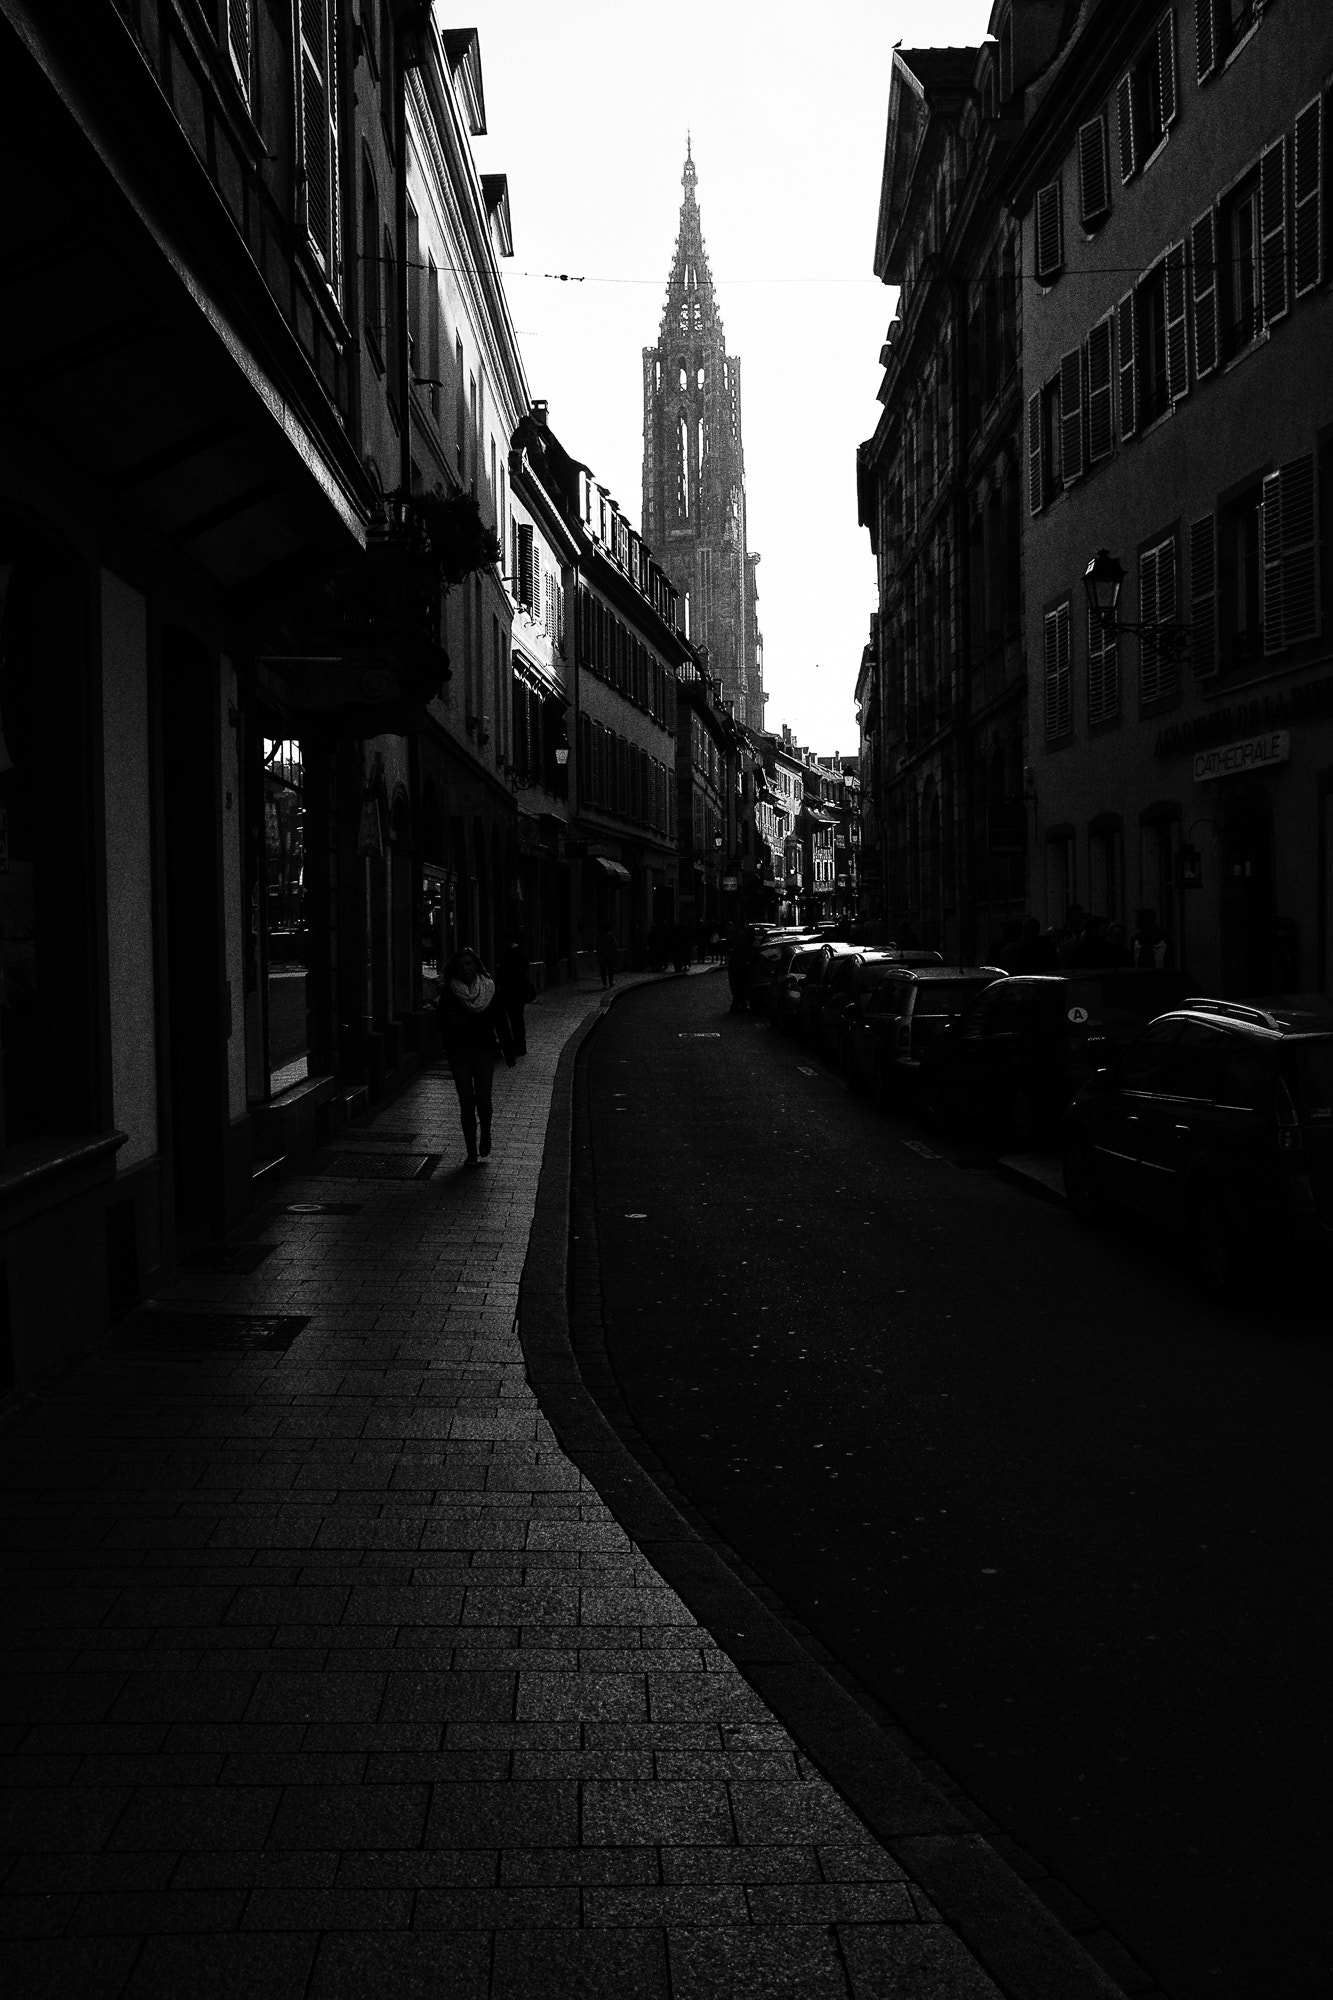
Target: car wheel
x,y
1080,1185
1022,1120
1213,1245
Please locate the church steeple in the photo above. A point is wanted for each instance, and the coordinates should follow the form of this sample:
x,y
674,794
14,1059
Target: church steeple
x,y
694,467
690,304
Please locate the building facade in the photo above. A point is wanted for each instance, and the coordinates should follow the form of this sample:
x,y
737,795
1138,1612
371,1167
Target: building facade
x,y
942,687
238,654
707,759
1173,188
694,472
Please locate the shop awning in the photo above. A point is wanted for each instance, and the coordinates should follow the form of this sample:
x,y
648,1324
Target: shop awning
x,y
615,869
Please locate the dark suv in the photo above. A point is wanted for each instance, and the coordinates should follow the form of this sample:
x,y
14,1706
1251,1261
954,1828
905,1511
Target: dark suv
x,y
1217,1121
901,1018
1023,1047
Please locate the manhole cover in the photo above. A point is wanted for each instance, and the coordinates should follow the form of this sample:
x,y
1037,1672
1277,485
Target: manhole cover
x,y
381,1166
321,1208
241,1257
167,1327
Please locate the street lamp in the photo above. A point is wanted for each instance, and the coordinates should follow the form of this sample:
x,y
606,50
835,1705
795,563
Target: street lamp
x,y
1102,581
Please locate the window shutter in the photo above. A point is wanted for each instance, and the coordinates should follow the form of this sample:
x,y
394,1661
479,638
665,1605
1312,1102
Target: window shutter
x,y
1094,180
239,42
1056,637
1273,229
1177,341
1203,597
1100,391
1166,65
1307,199
1271,538
1205,39
1035,496
1124,118
1203,273
1148,657
525,564
1050,254
319,131
1103,670
1129,397
1071,415
1168,667
1300,552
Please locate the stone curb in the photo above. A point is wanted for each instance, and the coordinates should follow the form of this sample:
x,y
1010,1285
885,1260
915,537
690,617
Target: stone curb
x,y
995,1912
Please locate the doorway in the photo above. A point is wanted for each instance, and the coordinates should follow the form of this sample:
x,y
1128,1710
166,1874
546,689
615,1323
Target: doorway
x,y
1247,897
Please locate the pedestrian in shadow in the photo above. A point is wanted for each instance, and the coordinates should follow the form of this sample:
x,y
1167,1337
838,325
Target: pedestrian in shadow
x,y
515,989
475,1030
608,951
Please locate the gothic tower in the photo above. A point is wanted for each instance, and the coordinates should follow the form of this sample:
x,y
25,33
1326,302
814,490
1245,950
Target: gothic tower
x,y
694,470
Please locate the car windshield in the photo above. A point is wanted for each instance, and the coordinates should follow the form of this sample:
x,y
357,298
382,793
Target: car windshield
x,y
1314,1080
803,962
946,996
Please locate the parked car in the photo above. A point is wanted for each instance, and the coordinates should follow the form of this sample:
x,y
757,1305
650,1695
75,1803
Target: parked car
x,y
1020,1050
1216,1122
815,986
849,984
784,994
766,963
900,1018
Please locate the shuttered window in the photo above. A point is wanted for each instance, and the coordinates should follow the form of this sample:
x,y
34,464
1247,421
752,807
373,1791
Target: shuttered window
x,y
1290,555
1166,67
1307,199
1159,673
1273,231
1036,497
1203,283
1205,39
318,130
1124,116
1094,176
526,565
1101,391
1071,416
240,43
1103,670
1177,343
1059,706
1203,597
1049,233
1126,350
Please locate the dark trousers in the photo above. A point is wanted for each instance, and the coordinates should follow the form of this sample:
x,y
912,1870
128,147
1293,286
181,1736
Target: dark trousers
x,y
472,1080
514,1016
608,966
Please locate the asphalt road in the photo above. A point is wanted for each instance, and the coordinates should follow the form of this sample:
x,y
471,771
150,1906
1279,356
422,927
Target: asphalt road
x,y
1066,1520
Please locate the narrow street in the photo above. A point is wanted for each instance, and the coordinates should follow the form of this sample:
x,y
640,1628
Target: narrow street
x,y
1065,1520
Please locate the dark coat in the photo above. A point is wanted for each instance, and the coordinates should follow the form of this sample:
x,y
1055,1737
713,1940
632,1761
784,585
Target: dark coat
x,y
466,1034
511,976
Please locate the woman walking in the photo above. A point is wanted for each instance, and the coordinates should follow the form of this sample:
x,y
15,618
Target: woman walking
x,y
474,1029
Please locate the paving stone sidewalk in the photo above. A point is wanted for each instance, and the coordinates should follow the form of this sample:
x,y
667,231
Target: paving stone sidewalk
x,y
328,1674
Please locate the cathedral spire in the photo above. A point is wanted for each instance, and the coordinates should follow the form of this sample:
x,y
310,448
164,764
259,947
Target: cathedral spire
x,y
690,305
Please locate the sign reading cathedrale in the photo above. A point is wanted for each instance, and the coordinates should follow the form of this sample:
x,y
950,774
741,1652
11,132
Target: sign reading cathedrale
x,y
1251,753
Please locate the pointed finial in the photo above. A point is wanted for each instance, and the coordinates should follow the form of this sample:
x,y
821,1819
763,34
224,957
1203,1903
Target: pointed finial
x,y
689,177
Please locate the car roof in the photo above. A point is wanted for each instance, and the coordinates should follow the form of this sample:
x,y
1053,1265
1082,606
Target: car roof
x,y
988,973
1283,1017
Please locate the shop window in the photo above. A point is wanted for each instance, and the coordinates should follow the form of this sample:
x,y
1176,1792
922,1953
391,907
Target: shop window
x,y
285,912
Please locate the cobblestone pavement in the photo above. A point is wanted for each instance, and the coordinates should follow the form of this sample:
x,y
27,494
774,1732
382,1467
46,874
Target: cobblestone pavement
x,y
328,1674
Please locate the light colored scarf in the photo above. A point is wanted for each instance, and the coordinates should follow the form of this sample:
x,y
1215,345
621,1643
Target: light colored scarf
x,y
477,997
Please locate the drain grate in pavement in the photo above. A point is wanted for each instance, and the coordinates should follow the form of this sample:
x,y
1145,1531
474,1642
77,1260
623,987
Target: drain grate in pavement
x,y
240,1257
170,1328
381,1166
321,1208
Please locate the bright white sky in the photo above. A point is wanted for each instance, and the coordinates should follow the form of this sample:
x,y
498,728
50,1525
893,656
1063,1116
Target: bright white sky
x,y
587,105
